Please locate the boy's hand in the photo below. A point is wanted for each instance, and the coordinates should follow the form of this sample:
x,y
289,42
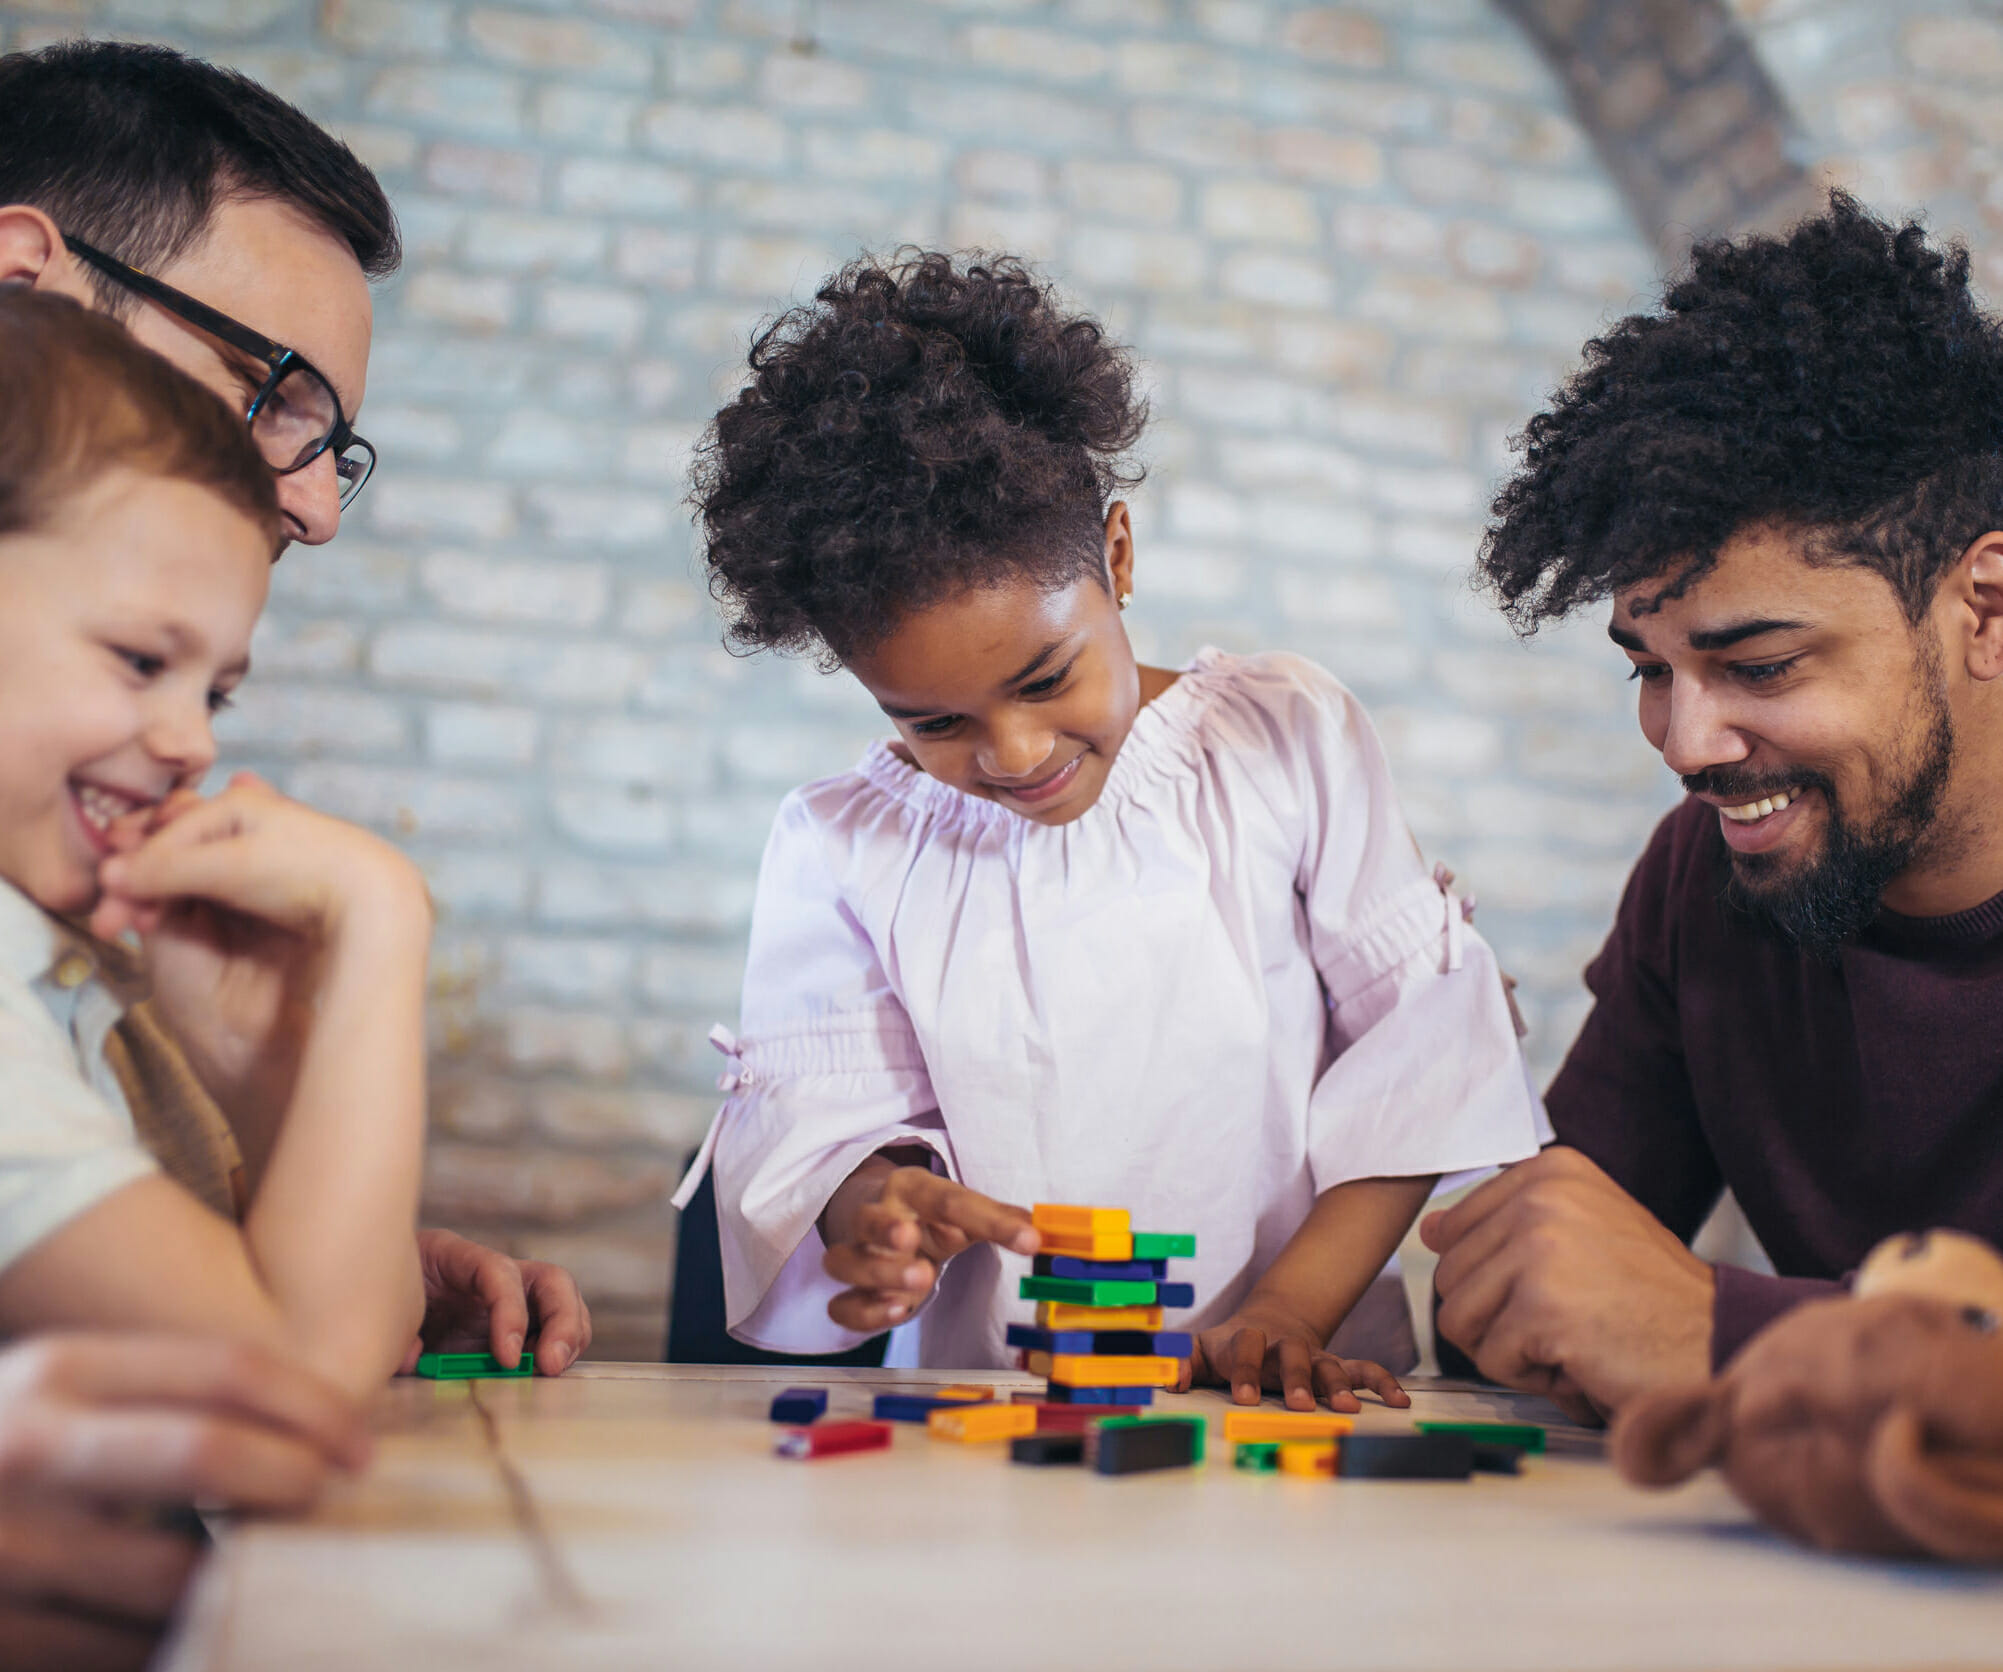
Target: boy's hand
x,y
1261,1348
477,1299
894,1241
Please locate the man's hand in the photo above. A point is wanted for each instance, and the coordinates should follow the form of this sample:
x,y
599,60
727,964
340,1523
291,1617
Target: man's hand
x,y
477,1299
1554,1280
1262,1349
889,1230
95,1429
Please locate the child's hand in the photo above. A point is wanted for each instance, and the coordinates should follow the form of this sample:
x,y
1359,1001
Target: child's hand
x,y
1261,1347
893,1244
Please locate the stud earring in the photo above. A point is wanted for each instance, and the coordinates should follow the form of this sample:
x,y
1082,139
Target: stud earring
x,y
1125,599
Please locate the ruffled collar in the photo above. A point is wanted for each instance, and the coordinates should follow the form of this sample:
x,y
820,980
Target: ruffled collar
x,y
1157,745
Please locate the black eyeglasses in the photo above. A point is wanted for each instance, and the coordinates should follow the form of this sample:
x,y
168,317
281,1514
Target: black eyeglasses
x,y
295,415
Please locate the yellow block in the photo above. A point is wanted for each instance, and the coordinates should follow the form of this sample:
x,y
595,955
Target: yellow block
x,y
1084,1245
982,1422
1047,1216
1311,1458
1062,1314
1244,1426
1109,1370
978,1393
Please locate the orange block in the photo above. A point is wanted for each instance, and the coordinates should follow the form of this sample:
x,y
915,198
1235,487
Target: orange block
x,y
1073,1221
1254,1426
1108,1370
1314,1459
977,1393
981,1422
1063,1314
1082,1245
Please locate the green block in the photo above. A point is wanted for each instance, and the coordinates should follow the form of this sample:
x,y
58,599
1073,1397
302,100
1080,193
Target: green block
x,y
1164,1245
1200,1424
1259,1457
1079,1292
459,1367
1524,1435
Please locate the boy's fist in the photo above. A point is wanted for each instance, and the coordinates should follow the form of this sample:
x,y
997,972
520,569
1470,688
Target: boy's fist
x,y
897,1240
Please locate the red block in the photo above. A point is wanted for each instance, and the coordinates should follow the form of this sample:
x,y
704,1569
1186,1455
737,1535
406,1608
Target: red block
x,y
830,1439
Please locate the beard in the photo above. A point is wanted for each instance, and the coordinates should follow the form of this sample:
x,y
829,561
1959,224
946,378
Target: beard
x,y
1822,904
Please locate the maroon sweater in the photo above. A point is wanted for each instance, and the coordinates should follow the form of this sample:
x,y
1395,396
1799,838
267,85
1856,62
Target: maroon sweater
x,y
1840,1102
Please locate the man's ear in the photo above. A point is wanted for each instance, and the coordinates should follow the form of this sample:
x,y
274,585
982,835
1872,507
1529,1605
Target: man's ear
x,y
1977,582
32,253
1120,548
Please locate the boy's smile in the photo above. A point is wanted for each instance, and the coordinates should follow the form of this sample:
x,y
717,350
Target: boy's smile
x,y
127,622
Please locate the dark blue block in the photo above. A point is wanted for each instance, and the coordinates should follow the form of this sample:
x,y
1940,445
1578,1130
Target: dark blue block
x,y
1058,1394
1139,1343
1175,1294
1101,1271
799,1405
907,1407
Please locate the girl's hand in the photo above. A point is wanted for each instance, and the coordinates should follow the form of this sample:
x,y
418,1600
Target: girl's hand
x,y
896,1243
1261,1348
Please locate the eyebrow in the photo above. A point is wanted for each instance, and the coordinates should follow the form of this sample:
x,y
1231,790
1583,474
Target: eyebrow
x,y
1022,673
1714,638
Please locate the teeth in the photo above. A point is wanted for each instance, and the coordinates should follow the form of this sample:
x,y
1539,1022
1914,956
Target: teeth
x,y
101,806
1753,811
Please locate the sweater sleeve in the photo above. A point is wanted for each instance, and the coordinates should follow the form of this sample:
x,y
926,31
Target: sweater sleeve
x,y
828,1072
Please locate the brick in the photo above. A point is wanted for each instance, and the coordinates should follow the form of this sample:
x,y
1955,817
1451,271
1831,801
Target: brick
x,y
798,82
645,752
1389,232
787,207
591,314
768,268
1337,35
628,1268
1337,350
680,899
1352,161
488,589
1493,255
622,1115
872,154
385,150
1244,23
404,504
1011,229
1496,62
1421,741
1130,15
465,1182
1446,174
569,45
484,171
1287,462
1042,53
482,662
1387,423
1120,258
310,649
1157,69
1123,191
471,301
567,968
480,734
658,257
600,516
631,819
219,17
477,1106
410,802
1425,306
392,28
1011,176
457,100
409,432
1339,600
543,1039
730,136
1281,281
603,186
706,66
672,14
1194,138
1260,211
585,116
353,573
1321,528
533,244
313,720
692,978
1010,115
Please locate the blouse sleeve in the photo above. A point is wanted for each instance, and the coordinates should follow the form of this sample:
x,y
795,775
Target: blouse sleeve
x,y
827,1073
1428,1074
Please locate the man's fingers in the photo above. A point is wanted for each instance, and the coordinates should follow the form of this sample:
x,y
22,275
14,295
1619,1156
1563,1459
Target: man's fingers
x,y
46,1640
54,1553
949,1206
1443,1230
457,1271
563,1321
230,1377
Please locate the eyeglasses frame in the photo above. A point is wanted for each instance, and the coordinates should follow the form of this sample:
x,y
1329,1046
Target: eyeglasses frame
x,y
278,360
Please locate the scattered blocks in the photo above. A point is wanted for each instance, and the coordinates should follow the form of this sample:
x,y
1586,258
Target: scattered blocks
x,y
1258,1457
1498,1460
800,1405
978,1393
971,1424
906,1407
1406,1457
1524,1436
465,1367
1135,1445
831,1439
1065,1220
1053,1417
1048,1448
1250,1425
1310,1459
1100,1271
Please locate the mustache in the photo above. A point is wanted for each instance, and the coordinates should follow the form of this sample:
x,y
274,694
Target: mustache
x,y
1738,784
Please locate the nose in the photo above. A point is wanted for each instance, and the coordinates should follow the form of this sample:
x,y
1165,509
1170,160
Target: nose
x,y
1014,749
1698,732
180,735
310,501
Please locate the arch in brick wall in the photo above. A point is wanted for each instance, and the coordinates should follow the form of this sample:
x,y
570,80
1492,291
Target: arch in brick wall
x,y
1683,113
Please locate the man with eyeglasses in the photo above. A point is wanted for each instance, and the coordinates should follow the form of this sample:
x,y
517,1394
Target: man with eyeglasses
x,y
237,239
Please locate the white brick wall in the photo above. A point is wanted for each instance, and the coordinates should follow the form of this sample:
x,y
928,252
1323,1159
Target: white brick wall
x,y
1355,245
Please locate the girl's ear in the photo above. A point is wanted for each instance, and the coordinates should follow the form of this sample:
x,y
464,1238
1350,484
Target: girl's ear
x,y
1666,1437
1950,1503
1120,549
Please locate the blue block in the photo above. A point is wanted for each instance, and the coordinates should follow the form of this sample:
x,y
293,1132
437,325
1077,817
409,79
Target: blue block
x,y
799,1405
1139,1343
1057,1394
1175,1294
1101,1271
907,1407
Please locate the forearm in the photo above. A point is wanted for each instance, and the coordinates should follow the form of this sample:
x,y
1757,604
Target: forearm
x,y
1349,1233
331,1230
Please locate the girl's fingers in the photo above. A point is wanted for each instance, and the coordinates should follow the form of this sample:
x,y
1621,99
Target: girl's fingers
x,y
1295,1368
1362,1373
950,1207
890,1226
1331,1381
1244,1365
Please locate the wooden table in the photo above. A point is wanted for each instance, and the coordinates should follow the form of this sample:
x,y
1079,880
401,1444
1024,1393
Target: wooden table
x,y
634,1516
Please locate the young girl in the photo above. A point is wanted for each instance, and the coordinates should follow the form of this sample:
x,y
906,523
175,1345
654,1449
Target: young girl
x,y
1088,931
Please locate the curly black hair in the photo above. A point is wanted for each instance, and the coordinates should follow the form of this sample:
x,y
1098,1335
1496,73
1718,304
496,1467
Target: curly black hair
x,y
1838,381
923,427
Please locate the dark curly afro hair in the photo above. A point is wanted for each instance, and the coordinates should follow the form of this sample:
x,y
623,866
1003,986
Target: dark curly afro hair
x,y
923,427
1838,381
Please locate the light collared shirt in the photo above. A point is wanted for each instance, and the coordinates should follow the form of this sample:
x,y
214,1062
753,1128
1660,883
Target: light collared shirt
x,y
67,1138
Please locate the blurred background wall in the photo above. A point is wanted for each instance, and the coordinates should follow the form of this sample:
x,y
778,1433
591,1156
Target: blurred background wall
x,y
1355,246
